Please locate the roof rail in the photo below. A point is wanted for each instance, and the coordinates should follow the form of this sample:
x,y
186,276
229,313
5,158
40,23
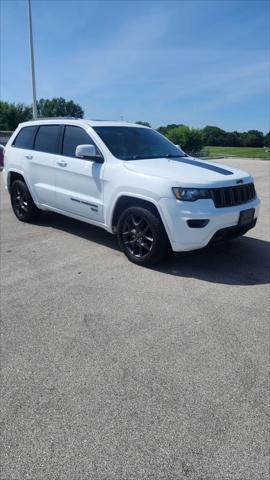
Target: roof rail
x,y
101,120
54,118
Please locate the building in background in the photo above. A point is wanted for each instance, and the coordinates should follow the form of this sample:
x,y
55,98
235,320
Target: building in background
x,y
5,136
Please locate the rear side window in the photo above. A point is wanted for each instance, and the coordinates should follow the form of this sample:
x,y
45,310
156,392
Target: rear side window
x,y
47,139
73,137
25,137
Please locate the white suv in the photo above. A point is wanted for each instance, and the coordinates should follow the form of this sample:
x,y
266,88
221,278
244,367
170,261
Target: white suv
x,y
129,180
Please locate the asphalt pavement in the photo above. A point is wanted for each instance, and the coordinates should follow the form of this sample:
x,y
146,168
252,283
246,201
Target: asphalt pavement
x,y
111,371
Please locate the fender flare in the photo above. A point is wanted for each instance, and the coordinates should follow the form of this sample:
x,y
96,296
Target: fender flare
x,y
19,172
137,197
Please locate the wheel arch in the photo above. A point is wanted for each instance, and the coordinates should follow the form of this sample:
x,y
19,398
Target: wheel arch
x,y
124,201
12,176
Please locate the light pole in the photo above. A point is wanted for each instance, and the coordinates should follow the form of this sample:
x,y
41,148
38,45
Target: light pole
x,y
32,61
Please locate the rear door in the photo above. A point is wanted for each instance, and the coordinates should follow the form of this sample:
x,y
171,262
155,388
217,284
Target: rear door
x,y
35,147
21,150
78,182
39,162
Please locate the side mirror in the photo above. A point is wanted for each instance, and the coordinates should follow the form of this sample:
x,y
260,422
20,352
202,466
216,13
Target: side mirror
x,y
89,152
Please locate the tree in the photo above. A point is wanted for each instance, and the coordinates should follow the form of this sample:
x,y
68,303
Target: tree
x,y
252,138
59,107
12,114
189,139
162,130
166,130
213,136
232,139
266,140
146,124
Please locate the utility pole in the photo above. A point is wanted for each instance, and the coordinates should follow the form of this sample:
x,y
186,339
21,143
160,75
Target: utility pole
x,y
32,61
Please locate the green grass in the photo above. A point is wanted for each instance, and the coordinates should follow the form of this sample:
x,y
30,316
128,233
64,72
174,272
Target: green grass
x,y
247,152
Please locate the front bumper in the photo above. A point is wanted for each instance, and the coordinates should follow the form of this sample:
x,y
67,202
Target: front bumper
x,y
183,238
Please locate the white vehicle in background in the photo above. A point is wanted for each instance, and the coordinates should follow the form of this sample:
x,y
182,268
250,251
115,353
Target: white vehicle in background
x,y
129,180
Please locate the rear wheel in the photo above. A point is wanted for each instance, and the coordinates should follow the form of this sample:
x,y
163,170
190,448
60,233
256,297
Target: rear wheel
x,y
22,202
142,237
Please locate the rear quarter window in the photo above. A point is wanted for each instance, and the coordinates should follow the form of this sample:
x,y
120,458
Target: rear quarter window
x,y
25,138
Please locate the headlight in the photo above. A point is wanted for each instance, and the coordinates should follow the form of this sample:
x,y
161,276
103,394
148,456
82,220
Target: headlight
x,y
190,194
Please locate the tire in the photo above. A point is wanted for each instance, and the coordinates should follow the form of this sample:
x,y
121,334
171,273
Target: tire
x,y
142,237
22,202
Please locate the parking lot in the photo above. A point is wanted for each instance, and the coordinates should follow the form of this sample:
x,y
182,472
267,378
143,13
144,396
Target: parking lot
x,y
116,372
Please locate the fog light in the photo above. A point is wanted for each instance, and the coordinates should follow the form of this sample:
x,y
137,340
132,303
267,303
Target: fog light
x,y
197,223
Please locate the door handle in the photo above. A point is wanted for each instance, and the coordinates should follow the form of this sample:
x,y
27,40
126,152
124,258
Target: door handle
x,y
29,156
62,163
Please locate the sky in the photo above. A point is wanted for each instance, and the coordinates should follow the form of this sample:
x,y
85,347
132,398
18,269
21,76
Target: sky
x,y
195,62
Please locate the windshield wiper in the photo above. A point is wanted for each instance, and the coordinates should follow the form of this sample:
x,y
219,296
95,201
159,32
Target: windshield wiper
x,y
137,157
145,157
175,156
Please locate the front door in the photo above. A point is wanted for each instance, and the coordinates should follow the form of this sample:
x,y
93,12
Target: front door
x,y
78,182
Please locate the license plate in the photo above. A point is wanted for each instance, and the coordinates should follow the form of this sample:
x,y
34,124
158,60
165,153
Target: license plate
x,y
246,217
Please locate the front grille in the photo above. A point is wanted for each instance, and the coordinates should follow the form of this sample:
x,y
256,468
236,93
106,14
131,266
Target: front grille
x,y
231,196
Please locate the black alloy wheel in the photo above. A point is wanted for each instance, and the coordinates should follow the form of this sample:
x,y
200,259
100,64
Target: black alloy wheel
x,y
22,203
141,236
137,235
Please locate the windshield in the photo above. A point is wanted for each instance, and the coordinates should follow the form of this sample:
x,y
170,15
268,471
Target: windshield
x,y
135,143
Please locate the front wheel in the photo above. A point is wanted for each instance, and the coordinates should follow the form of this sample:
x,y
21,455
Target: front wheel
x,y
22,202
142,237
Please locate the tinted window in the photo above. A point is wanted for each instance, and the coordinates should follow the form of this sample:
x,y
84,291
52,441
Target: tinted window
x,y
47,139
134,143
25,138
73,137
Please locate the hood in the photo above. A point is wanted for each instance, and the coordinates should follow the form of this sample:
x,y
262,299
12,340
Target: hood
x,y
188,171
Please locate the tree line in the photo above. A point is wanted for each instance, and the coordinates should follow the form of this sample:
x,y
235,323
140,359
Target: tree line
x,y
190,139
214,136
193,139
12,114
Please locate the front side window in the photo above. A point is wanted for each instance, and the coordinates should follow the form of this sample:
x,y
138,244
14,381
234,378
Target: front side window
x,y
25,138
73,137
134,143
47,139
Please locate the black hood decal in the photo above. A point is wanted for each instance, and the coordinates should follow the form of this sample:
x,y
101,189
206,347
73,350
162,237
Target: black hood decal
x,y
207,166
